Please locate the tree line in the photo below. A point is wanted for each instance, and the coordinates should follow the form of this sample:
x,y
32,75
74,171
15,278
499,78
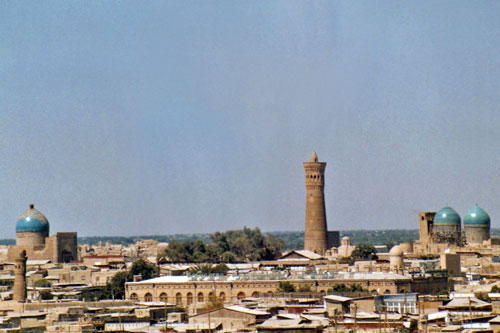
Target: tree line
x,y
226,247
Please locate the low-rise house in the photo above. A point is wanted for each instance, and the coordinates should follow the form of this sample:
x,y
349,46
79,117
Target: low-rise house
x,y
293,323
335,304
231,317
470,306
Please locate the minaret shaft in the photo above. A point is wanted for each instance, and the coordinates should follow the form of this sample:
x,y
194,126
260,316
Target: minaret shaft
x,y
315,235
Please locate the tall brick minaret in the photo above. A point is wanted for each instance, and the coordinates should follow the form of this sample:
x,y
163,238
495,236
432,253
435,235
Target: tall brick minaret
x,y
315,234
20,277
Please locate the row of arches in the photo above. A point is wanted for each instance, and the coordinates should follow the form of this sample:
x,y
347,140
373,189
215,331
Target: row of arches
x,y
190,298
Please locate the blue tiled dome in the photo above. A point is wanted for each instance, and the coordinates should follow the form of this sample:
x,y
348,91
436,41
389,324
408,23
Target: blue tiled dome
x,y
446,216
477,216
32,221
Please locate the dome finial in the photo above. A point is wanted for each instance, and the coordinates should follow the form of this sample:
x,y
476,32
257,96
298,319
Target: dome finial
x,y
314,157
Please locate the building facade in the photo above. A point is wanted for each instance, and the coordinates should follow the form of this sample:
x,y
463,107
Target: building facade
x,y
185,290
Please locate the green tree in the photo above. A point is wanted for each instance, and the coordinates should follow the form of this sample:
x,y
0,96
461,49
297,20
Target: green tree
x,y
42,283
364,252
46,295
116,287
143,268
229,247
346,260
343,288
286,287
209,269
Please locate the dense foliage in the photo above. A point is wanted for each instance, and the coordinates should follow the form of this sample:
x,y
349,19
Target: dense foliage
x,y
209,269
286,287
342,288
143,268
229,247
43,283
364,252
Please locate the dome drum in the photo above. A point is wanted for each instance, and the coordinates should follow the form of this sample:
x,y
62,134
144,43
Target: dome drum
x,y
475,234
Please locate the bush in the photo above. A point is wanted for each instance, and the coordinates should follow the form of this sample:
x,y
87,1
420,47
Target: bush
x,y
364,252
209,269
304,289
46,295
343,288
42,283
286,287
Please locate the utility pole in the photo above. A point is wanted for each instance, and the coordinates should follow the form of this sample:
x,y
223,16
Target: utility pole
x,y
209,322
355,317
335,319
385,315
470,309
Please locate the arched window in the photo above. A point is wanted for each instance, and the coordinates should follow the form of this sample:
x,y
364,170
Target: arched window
x,y
255,294
241,295
222,296
387,291
163,297
189,298
211,296
148,297
201,298
270,294
134,297
67,256
178,299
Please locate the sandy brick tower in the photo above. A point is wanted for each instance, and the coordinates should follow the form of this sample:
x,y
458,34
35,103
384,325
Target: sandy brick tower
x,y
315,234
20,277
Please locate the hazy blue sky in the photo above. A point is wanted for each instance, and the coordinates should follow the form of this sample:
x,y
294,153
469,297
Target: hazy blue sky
x,y
156,117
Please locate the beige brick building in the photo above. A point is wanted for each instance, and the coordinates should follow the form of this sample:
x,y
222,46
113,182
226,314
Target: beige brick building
x,y
186,290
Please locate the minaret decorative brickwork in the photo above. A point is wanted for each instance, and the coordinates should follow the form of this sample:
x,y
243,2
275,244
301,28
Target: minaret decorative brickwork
x,y
20,277
315,234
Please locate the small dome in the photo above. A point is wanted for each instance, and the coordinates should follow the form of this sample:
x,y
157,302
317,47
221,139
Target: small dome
x,y
346,238
396,251
32,221
446,216
477,216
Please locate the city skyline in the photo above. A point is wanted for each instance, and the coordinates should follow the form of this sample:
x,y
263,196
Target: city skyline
x,y
163,117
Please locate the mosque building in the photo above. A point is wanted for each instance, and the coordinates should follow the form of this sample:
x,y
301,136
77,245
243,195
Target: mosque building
x,y
32,236
443,229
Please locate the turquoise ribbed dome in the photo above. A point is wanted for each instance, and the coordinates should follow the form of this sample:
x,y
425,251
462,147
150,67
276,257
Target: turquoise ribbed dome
x,y
32,221
446,216
477,216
